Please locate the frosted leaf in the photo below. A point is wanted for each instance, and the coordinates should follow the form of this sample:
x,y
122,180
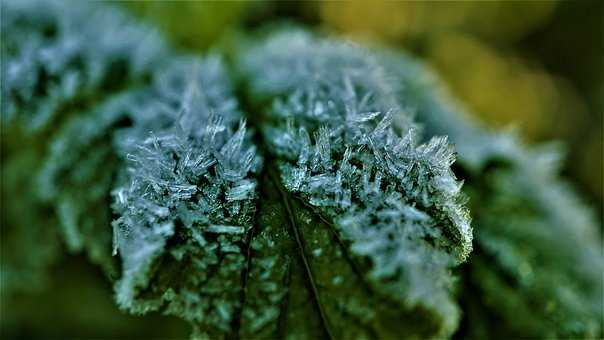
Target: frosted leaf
x,y
529,223
396,202
66,67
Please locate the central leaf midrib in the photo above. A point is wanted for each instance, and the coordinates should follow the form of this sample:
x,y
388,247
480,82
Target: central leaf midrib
x,y
256,119
301,252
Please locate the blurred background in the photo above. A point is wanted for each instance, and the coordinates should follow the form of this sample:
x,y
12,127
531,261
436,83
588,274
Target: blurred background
x,y
537,66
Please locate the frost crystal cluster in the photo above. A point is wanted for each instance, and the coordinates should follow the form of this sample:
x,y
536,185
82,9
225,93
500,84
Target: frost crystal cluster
x,y
329,126
538,263
186,198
